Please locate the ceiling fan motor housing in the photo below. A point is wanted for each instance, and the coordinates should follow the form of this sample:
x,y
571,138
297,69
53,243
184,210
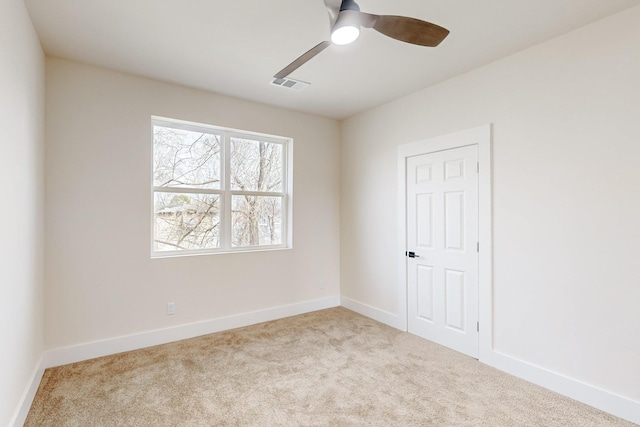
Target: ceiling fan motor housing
x,y
349,5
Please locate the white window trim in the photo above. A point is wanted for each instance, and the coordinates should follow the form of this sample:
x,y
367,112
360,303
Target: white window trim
x,y
226,193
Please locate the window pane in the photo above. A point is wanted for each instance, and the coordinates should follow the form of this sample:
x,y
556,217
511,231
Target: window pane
x,y
256,165
186,221
257,221
185,158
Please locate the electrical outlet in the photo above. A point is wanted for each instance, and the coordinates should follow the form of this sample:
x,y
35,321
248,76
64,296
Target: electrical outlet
x,y
171,308
321,284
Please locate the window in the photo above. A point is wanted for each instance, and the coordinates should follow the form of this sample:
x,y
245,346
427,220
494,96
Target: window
x,y
218,190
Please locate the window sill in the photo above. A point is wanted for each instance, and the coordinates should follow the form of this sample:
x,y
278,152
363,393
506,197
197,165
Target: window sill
x,y
253,249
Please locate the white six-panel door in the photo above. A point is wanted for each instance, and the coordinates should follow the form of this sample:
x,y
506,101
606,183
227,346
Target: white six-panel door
x,y
442,238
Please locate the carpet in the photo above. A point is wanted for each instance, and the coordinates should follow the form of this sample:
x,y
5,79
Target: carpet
x,y
327,368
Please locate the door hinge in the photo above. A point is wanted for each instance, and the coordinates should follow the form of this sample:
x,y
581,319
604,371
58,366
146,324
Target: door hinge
x,y
478,167
477,246
478,326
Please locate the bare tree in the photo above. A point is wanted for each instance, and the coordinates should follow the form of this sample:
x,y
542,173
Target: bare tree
x,y
256,166
185,159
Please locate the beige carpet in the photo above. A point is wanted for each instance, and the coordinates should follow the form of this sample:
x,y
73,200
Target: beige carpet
x,y
328,368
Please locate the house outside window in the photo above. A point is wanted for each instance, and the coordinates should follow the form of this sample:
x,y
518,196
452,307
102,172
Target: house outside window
x,y
218,190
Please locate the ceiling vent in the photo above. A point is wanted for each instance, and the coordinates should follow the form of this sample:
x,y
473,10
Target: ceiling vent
x,y
290,83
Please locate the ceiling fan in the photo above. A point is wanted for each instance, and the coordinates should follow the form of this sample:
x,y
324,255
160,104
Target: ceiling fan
x,y
345,20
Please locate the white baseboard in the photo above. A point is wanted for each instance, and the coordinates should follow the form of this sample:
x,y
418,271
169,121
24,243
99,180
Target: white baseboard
x,y
593,396
381,316
601,399
26,400
80,352
588,394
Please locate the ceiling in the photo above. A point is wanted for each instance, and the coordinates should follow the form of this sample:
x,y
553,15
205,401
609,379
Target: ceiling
x,y
235,47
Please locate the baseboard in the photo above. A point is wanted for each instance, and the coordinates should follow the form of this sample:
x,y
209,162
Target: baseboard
x,y
86,351
586,393
593,396
22,410
381,316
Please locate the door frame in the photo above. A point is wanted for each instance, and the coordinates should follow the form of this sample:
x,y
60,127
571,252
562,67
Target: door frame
x,y
480,136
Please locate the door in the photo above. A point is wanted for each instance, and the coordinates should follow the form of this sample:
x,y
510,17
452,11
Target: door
x,y
442,243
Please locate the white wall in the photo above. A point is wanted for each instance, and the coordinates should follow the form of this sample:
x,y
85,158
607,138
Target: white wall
x,y
566,176
21,222
101,281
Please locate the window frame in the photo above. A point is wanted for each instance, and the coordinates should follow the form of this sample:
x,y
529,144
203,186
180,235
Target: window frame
x,y
225,192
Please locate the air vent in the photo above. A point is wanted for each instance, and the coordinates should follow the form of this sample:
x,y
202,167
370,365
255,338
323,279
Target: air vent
x,y
290,83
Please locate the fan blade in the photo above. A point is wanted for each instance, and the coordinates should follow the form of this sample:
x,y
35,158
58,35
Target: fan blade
x,y
302,60
410,30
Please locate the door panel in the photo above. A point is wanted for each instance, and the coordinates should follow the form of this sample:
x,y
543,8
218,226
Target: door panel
x,y
442,230
424,217
425,292
455,301
454,220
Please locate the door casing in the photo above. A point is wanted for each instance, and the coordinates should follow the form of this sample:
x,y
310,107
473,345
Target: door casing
x,y
481,136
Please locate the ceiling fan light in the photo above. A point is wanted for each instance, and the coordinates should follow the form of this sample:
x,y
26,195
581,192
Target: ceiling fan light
x,y
346,29
345,35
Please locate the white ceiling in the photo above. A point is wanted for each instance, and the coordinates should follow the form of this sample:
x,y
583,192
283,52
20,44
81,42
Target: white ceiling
x,y
235,47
